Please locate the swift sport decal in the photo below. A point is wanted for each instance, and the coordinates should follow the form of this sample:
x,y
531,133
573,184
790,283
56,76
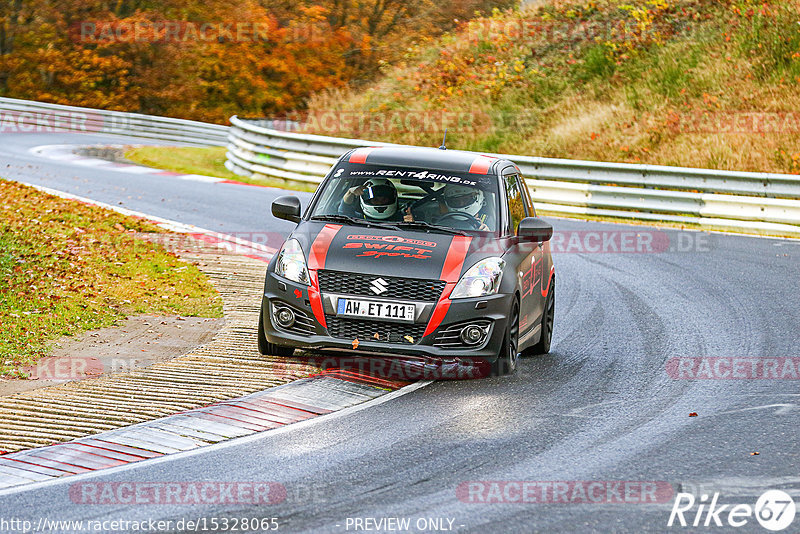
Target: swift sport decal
x,y
392,239
316,260
451,271
380,246
381,250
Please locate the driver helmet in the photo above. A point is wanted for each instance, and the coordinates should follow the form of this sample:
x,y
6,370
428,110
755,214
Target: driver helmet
x,y
464,199
379,199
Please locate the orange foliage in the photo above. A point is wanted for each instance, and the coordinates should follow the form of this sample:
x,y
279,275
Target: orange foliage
x,y
205,59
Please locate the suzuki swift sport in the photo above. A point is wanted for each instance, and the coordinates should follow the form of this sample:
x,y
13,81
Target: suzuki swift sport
x,y
412,251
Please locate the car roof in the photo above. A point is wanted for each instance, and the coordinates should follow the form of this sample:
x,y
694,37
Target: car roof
x,y
427,158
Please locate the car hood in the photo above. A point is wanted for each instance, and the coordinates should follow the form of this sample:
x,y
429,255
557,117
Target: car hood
x,y
379,251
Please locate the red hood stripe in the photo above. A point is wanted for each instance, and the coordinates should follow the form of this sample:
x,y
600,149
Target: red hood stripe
x,y
454,261
451,272
360,155
319,248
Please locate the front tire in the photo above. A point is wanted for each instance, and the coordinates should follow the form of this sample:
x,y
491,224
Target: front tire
x,y
506,362
265,348
543,346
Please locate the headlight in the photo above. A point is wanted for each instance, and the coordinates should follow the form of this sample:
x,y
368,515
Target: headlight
x,y
291,262
481,279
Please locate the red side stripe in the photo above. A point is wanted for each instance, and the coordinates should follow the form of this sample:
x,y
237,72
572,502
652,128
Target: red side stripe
x,y
316,260
315,298
451,271
481,165
440,310
360,155
546,290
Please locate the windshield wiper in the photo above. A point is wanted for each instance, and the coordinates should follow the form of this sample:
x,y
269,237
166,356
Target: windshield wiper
x,y
428,226
352,220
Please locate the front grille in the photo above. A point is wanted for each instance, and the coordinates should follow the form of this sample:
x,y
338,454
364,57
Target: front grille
x,y
396,288
450,337
303,324
375,330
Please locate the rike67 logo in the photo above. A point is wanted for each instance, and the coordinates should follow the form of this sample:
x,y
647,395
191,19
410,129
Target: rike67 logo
x,y
774,510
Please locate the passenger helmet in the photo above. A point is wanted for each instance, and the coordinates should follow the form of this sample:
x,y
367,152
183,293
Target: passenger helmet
x,y
463,199
379,199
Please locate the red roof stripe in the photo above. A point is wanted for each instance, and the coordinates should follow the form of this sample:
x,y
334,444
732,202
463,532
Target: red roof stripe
x,y
481,164
360,155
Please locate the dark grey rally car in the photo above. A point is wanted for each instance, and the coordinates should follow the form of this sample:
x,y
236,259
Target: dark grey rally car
x,y
414,252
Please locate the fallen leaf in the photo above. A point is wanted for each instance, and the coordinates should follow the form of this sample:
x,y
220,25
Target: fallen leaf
x,y
754,453
693,414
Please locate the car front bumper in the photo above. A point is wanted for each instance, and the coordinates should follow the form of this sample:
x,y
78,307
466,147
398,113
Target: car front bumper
x,y
314,336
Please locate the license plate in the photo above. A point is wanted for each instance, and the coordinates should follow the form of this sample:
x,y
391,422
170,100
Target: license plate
x,y
375,310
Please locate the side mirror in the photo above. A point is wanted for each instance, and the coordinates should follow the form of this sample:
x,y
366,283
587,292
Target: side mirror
x,y
534,228
287,207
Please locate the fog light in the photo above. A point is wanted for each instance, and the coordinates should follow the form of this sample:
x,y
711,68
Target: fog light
x,y
471,334
285,317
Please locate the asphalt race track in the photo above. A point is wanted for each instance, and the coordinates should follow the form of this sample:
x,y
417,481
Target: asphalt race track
x,y
607,405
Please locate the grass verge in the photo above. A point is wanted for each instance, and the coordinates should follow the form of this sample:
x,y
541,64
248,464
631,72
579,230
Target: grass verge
x,y
206,161
67,267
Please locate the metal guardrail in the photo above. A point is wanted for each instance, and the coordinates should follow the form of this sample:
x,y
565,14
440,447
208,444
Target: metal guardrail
x,y
727,199
26,116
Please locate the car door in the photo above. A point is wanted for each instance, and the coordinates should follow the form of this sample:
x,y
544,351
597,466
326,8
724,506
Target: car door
x,y
530,255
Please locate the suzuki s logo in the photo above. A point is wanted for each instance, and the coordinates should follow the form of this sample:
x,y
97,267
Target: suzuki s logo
x,y
379,286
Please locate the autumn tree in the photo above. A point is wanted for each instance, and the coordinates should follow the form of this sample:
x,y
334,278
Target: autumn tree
x,y
91,53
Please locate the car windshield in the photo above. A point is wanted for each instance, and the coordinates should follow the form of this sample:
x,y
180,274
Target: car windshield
x,y
401,196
